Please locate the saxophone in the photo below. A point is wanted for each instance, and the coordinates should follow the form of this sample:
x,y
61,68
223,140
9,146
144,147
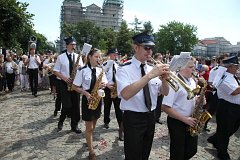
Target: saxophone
x,y
94,101
74,71
113,91
201,115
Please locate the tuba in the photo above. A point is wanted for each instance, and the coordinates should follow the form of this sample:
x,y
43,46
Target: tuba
x,y
201,115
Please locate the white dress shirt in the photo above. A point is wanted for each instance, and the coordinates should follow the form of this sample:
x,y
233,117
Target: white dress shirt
x,y
84,76
62,63
178,100
129,74
226,87
108,68
32,61
217,76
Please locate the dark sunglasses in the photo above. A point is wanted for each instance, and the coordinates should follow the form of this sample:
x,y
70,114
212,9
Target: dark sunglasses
x,y
147,47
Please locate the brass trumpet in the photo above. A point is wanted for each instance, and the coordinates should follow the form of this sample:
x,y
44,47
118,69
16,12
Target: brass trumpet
x,y
173,83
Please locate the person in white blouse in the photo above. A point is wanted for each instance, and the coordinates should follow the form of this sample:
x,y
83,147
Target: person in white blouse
x,y
138,85
33,62
22,68
228,111
179,109
10,70
70,99
84,82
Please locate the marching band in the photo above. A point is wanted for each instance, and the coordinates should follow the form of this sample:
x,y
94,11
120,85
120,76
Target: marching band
x,y
139,89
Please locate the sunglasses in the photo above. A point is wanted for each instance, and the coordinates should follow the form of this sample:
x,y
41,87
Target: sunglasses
x,y
147,47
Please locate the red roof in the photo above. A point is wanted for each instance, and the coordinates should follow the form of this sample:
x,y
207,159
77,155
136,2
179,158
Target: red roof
x,y
206,42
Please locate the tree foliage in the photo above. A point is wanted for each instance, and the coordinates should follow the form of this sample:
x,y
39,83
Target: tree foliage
x,y
124,41
176,37
16,27
14,19
147,26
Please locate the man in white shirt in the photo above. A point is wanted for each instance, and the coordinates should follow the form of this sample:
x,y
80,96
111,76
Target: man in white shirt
x,y
138,85
70,99
228,111
33,62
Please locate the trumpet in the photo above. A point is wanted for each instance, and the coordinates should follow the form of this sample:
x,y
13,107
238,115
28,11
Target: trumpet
x,y
173,83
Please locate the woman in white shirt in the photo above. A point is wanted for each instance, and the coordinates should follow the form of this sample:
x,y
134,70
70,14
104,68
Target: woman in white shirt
x,y
83,83
179,109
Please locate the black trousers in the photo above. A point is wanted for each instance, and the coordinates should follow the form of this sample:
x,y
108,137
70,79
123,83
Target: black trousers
x,y
138,134
228,122
10,81
33,79
70,105
182,145
158,108
58,101
107,107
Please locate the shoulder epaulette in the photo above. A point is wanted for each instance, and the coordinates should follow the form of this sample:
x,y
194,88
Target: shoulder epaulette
x,y
125,64
105,63
215,68
82,67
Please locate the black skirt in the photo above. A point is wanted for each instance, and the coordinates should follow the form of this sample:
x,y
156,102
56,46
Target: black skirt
x,y
88,114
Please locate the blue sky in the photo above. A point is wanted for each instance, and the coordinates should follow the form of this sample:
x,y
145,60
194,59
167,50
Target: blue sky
x,y
213,18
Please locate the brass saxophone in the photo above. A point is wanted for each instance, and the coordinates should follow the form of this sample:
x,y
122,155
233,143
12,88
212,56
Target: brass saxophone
x,y
74,71
113,91
94,101
201,115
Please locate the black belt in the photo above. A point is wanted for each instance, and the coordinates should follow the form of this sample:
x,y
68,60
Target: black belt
x,y
143,113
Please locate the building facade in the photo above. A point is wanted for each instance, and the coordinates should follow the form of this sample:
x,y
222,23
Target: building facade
x,y
216,46
109,16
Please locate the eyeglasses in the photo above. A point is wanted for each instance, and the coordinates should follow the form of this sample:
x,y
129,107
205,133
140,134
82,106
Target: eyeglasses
x,y
147,47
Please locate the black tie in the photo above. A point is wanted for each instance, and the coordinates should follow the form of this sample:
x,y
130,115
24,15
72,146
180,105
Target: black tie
x,y
114,72
237,80
146,92
70,63
94,78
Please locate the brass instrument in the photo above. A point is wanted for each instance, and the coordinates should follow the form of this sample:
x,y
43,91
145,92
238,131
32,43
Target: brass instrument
x,y
201,115
96,98
173,83
74,72
50,70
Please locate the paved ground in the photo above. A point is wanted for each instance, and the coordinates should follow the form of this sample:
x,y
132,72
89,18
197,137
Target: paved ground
x,y
28,131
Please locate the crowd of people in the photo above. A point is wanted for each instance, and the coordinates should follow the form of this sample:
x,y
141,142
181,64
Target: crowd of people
x,y
139,89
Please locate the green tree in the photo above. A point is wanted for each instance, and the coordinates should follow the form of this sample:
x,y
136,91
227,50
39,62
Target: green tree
x,y
176,37
124,41
84,32
136,25
14,21
109,37
147,26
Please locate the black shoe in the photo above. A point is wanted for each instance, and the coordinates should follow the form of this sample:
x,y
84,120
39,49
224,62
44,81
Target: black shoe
x,y
206,129
224,156
60,126
76,130
55,113
35,95
213,141
106,125
158,121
